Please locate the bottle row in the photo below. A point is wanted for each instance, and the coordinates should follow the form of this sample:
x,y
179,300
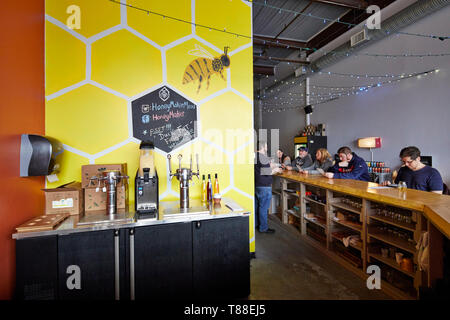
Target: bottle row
x,y
208,188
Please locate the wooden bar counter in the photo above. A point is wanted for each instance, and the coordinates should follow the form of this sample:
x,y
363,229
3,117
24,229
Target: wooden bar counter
x,y
360,224
435,207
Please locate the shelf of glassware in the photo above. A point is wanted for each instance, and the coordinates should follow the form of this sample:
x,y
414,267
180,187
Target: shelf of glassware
x,y
392,236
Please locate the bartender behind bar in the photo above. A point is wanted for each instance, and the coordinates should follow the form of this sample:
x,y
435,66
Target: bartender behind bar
x,y
264,169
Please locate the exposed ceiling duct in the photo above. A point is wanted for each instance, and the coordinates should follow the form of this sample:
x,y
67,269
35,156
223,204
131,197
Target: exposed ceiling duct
x,y
403,18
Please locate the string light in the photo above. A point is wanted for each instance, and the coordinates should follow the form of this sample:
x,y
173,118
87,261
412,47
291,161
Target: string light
x,y
284,103
291,46
180,20
442,38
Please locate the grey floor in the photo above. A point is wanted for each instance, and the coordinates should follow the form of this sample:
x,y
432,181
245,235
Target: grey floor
x,y
288,268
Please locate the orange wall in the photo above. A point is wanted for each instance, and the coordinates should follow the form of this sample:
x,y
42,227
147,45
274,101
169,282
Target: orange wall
x,y
21,111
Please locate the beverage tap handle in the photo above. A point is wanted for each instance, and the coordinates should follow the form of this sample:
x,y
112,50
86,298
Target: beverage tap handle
x,y
179,161
198,167
170,166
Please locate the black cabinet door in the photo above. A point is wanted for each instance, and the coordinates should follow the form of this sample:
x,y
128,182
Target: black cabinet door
x,y
221,258
163,261
87,265
37,268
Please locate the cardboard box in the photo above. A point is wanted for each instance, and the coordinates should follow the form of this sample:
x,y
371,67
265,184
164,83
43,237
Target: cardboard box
x,y
90,170
67,198
95,201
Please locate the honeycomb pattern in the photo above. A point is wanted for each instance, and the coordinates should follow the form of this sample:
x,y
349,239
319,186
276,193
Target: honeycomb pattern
x,y
91,21
77,118
151,25
222,15
125,63
93,75
62,47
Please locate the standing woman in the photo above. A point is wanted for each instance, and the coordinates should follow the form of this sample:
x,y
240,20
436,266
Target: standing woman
x,y
283,158
323,161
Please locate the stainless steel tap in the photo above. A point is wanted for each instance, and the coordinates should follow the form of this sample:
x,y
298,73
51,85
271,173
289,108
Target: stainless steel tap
x,y
110,179
184,175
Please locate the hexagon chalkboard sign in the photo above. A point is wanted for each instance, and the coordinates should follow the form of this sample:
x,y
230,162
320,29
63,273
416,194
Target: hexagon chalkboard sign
x,y
164,117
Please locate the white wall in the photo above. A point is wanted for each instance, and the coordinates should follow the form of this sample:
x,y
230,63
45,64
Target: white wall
x,y
410,112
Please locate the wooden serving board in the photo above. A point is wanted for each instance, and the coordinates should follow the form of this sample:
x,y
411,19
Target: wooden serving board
x,y
42,223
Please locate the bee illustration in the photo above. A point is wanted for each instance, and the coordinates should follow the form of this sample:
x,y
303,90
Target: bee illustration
x,y
202,68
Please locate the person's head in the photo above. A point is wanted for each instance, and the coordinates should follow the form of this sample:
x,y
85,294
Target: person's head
x,y
303,152
279,153
345,154
410,156
322,154
262,145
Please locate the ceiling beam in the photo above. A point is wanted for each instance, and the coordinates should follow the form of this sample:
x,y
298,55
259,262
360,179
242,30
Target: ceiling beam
x,y
281,59
265,70
293,19
354,4
281,43
354,16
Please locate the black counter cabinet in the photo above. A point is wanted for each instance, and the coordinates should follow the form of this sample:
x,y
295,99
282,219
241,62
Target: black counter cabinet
x,y
182,260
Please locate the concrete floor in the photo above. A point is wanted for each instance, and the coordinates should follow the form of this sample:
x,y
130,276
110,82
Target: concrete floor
x,y
288,268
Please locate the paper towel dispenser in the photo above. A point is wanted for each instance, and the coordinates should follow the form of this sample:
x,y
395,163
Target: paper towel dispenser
x,y
38,155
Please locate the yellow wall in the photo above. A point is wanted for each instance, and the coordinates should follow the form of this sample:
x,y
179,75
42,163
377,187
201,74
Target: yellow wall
x,y
119,54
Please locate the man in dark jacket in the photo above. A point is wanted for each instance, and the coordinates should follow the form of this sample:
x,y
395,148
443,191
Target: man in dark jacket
x,y
350,167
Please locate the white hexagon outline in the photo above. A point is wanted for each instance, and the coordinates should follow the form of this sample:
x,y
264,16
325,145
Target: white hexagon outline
x,y
123,25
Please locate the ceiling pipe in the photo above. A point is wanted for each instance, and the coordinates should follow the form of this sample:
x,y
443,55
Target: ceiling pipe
x,y
394,17
281,59
265,70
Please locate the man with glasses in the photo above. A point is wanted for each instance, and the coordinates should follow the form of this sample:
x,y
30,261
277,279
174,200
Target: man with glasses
x,y
416,174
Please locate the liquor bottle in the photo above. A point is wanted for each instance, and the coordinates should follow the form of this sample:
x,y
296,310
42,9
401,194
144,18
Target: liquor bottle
x,y
216,185
209,188
204,190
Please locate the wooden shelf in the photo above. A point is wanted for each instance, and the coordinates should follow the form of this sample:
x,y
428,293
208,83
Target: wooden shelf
x,y
322,242
393,240
403,225
278,192
392,263
347,207
348,260
291,211
311,200
317,221
353,226
351,245
291,194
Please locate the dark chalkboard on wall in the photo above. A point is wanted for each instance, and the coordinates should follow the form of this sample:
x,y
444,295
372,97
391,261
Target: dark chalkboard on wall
x,y
164,117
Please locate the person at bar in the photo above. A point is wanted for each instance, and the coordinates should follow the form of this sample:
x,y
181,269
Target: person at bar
x,y
323,162
264,169
416,174
283,159
303,160
350,167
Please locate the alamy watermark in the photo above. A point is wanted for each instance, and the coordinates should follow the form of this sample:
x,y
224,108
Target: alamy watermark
x,y
74,20
374,21
374,280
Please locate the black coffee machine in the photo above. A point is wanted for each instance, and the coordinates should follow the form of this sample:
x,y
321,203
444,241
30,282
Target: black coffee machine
x,y
146,184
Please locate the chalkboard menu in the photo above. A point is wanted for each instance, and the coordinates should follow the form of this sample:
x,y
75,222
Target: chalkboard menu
x,y
164,117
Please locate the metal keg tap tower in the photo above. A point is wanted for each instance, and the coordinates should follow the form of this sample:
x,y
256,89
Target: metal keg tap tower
x,y
184,175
